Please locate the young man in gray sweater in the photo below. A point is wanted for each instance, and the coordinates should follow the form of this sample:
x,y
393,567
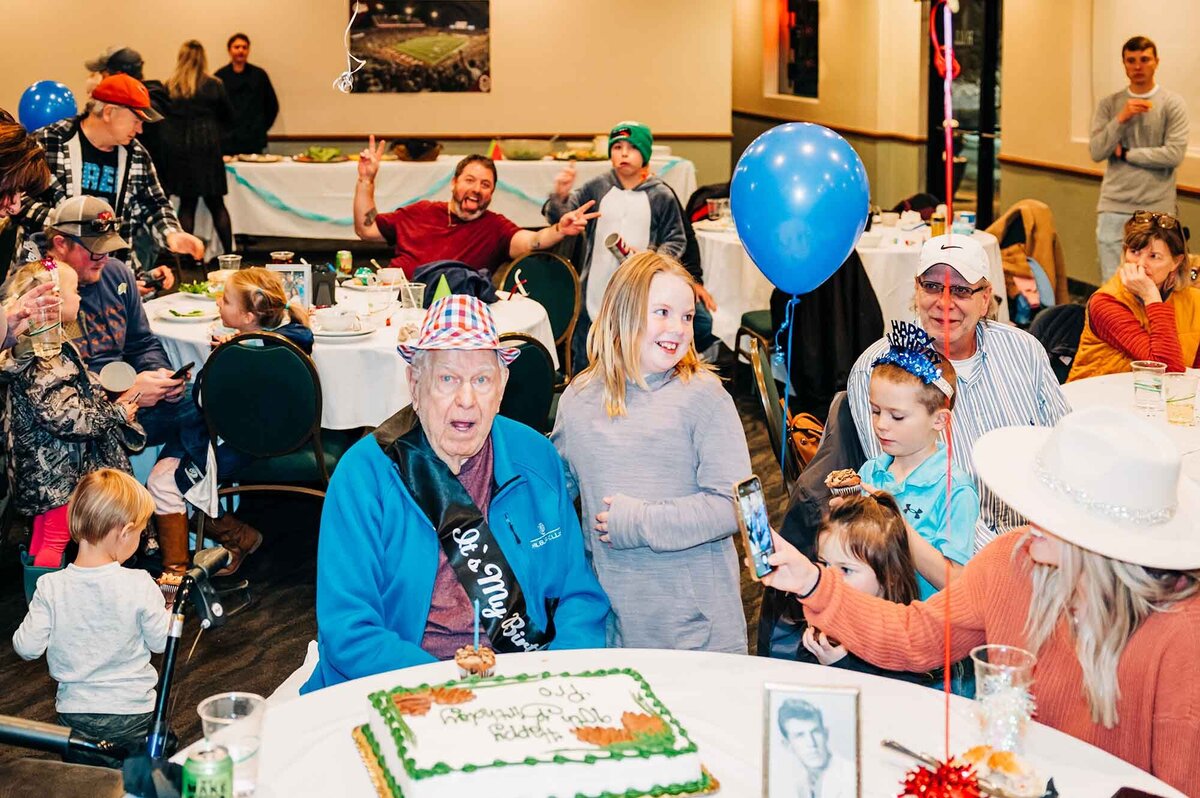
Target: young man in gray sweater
x,y
1142,132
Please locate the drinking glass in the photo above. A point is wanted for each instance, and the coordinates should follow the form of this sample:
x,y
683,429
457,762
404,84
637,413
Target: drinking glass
x,y
1181,399
1003,704
380,297
230,262
1148,386
45,328
282,256
234,720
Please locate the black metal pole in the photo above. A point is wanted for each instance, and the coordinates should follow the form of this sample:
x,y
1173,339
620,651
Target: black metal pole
x,y
988,123
160,729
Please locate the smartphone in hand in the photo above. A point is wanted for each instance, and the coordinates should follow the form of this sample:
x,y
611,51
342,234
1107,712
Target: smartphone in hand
x,y
183,372
756,526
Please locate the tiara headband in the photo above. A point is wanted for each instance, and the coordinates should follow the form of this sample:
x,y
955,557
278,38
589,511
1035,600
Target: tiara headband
x,y
912,350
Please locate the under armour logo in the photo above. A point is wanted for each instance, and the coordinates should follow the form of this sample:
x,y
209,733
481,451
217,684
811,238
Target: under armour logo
x,y
915,513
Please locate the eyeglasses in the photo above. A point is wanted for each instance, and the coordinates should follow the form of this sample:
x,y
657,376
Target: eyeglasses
x,y
95,256
1164,221
933,288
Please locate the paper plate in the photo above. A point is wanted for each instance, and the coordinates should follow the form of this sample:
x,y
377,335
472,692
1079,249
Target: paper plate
x,y
199,314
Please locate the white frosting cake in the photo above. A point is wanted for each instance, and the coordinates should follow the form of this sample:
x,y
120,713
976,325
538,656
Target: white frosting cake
x,y
599,733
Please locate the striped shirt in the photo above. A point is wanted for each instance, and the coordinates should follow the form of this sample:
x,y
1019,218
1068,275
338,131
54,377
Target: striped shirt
x,y
1011,386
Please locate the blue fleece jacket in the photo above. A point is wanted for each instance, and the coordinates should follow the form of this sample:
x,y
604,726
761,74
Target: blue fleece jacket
x,y
378,555
114,323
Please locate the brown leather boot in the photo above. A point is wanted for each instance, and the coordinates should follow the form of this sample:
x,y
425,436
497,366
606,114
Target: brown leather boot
x,y
237,536
173,542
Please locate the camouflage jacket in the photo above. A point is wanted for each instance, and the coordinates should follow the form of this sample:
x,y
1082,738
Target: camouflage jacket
x,y
59,424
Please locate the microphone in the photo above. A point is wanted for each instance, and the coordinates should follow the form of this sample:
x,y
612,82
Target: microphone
x,y
208,562
52,738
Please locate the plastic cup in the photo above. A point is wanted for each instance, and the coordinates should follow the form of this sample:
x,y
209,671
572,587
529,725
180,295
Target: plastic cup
x,y
282,256
45,328
1181,399
234,720
1148,386
380,297
412,295
230,262
1003,676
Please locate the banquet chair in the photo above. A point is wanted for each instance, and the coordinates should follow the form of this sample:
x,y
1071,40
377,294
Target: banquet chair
x,y
768,393
1059,329
529,394
553,282
275,415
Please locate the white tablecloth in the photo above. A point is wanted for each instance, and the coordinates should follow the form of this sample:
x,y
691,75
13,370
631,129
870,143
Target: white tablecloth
x,y
305,200
1116,390
363,380
732,278
891,265
307,751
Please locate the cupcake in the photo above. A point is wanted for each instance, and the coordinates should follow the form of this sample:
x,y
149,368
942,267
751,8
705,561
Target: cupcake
x,y
474,661
845,482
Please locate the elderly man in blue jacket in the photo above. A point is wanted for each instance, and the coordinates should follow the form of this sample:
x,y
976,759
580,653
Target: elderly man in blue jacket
x,y
446,505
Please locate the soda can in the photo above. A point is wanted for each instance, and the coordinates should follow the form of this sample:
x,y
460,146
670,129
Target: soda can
x,y
208,773
617,246
345,263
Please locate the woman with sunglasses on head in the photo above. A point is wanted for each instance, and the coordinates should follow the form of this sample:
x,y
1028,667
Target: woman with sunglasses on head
x,y
1149,309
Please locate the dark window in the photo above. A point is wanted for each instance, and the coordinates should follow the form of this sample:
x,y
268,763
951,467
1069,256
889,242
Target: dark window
x,y
798,49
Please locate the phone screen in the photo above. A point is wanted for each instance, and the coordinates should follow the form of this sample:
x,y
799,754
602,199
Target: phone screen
x,y
756,526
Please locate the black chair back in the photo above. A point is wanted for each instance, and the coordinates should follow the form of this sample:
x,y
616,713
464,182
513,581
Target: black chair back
x,y
530,389
1059,329
553,282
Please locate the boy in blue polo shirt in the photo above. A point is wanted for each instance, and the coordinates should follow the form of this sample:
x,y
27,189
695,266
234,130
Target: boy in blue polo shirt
x,y
911,396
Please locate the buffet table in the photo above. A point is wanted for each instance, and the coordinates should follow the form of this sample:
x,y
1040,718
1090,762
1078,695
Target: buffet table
x,y
313,200
363,379
307,750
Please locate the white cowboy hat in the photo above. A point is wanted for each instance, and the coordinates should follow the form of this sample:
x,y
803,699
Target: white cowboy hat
x,y
1104,479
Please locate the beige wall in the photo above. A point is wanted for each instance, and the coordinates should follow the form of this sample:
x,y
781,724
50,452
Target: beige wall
x,y
570,66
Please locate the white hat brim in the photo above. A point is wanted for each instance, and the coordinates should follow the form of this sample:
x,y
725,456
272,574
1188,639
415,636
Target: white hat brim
x,y
1005,461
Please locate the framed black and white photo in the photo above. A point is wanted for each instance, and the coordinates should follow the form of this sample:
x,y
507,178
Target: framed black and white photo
x,y
297,281
811,740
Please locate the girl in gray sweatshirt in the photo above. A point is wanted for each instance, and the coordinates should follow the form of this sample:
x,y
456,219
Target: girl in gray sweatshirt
x,y
655,445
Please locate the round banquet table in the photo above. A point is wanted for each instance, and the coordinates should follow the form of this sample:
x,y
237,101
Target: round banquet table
x,y
891,264
1116,390
731,277
363,379
307,750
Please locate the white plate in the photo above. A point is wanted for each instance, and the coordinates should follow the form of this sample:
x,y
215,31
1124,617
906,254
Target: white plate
x,y
206,314
365,328
354,285
196,297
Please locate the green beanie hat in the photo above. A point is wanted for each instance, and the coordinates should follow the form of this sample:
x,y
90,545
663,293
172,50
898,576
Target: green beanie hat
x,y
636,134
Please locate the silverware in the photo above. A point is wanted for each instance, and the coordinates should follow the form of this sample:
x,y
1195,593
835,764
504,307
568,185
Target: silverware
x,y
985,786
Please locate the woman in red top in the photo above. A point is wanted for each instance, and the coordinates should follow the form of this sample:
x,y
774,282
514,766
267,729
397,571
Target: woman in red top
x,y
1148,310
1102,587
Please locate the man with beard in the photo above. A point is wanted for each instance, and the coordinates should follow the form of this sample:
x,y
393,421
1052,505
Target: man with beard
x,y
462,229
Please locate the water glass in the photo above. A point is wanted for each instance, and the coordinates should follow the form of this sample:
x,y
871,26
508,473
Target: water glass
x,y
230,262
380,298
412,295
45,328
1003,704
234,720
1181,399
1148,386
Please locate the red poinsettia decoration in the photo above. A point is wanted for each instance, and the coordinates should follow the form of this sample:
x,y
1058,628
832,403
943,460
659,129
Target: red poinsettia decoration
x,y
948,781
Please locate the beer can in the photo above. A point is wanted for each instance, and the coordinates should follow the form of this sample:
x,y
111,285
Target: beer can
x,y
208,773
345,263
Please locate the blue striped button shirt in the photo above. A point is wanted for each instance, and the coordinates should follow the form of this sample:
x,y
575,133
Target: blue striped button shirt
x,y
1012,385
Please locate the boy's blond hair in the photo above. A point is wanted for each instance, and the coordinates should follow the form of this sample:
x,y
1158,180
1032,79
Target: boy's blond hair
x,y
614,343
105,500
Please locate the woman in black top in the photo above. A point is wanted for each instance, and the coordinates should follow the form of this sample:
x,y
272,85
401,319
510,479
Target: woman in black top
x,y
196,115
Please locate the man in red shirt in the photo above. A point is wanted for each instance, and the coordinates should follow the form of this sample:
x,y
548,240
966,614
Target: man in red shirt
x,y
462,229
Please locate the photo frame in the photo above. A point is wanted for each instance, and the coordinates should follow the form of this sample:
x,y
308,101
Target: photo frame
x,y
812,732
297,281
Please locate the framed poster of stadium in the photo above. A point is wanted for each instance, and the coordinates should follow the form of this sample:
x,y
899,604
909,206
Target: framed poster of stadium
x,y
421,45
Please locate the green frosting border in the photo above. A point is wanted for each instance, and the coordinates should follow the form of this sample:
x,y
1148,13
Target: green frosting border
x,y
702,785
382,702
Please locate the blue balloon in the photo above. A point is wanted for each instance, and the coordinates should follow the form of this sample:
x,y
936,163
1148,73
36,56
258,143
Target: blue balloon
x,y
800,200
45,103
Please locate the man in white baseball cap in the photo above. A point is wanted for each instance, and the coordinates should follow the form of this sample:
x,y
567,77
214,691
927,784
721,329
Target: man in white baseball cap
x,y
1004,375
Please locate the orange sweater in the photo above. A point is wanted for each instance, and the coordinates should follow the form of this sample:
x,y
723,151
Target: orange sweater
x,y
1158,673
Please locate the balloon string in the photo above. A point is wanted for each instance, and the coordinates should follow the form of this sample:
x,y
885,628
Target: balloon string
x,y
784,332
345,81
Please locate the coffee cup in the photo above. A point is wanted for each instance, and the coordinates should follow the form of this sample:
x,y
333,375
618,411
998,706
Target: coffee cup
x,y
390,276
217,278
117,377
336,319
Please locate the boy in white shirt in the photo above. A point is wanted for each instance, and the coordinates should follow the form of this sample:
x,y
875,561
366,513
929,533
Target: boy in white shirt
x,y
98,622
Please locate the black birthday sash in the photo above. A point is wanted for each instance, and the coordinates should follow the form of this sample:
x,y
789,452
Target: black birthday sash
x,y
465,537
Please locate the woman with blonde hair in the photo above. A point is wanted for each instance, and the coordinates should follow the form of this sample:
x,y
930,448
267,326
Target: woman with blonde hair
x,y
1102,587
655,444
194,121
1149,309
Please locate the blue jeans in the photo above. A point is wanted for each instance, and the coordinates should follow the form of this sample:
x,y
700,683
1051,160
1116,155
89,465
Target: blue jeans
x,y
161,422
1110,242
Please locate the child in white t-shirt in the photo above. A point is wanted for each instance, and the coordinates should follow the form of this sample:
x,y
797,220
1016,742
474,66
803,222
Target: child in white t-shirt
x,y
98,622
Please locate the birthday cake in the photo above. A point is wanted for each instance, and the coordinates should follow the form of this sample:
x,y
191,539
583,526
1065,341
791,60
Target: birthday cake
x,y
597,733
